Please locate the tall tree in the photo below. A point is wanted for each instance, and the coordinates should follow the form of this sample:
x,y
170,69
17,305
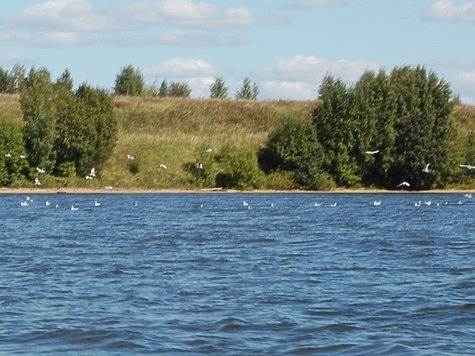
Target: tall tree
x,y
129,81
39,113
334,119
424,127
218,89
179,89
248,91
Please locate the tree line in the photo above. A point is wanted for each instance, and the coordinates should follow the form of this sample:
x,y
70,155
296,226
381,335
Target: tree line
x,y
64,132
388,130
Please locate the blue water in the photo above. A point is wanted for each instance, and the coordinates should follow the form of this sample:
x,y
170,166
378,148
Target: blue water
x,y
204,273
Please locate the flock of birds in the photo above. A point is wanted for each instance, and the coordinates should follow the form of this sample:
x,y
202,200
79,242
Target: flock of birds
x,y
92,174
247,204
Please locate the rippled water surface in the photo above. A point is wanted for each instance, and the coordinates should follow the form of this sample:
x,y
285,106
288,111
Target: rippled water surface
x,y
208,273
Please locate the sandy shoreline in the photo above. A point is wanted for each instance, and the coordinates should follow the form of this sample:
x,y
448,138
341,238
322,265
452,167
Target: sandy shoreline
x,y
109,190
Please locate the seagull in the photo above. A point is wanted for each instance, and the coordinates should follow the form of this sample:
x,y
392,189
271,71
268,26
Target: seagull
x,y
377,203
97,204
208,150
334,204
24,203
130,157
417,203
467,166
426,168
403,184
47,203
164,166
8,155
40,170
22,156
37,181
245,203
317,204
74,208
199,165
372,152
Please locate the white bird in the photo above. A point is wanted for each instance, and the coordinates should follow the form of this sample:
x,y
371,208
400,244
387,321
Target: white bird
x,y
334,204
417,203
131,157
428,203
47,203
93,172
372,152
208,150
317,204
468,195
467,166
377,203
8,155
37,181
97,204
135,203
163,166
74,208
403,184
426,168
22,156
24,203
199,165
40,170
245,203
88,177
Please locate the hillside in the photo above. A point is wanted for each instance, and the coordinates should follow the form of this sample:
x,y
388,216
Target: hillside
x,y
175,131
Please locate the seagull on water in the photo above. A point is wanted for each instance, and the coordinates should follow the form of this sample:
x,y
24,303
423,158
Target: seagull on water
x,y
97,204
74,208
372,152
377,203
403,184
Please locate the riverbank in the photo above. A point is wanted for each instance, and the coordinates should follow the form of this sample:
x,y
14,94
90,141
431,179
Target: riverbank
x,y
110,190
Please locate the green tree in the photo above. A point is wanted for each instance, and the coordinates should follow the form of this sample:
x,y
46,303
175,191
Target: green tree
x,y
423,127
218,89
248,90
375,114
293,147
39,113
65,80
163,91
337,130
179,89
13,165
129,81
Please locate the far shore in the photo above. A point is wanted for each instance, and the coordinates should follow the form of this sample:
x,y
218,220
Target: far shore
x,y
110,190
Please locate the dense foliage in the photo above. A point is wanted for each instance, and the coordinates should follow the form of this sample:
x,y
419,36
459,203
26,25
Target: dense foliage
x,y
386,129
66,132
129,81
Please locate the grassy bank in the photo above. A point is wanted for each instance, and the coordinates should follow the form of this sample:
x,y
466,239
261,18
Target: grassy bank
x,y
175,131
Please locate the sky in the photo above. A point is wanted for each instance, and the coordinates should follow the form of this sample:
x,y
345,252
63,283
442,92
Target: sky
x,y
286,47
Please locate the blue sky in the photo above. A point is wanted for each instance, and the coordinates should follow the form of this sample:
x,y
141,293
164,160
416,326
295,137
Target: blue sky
x,y
285,46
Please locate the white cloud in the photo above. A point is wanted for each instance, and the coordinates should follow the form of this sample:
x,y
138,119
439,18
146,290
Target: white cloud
x,y
465,83
178,38
182,68
311,69
69,15
316,4
185,13
446,10
299,77
45,39
460,63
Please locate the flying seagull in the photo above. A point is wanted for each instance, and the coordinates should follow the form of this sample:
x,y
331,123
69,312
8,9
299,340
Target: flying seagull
x,y
372,152
403,184
426,168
